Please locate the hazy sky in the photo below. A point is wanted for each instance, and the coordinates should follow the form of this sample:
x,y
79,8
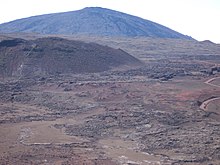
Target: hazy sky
x,y
197,18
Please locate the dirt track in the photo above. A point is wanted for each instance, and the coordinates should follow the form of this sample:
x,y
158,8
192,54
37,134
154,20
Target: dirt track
x,y
211,80
205,104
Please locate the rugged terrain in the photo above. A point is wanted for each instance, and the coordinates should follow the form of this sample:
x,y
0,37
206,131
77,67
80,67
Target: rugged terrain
x,y
91,21
164,112
50,56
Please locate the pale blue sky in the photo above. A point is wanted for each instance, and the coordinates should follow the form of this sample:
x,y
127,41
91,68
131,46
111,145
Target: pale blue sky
x,y
197,18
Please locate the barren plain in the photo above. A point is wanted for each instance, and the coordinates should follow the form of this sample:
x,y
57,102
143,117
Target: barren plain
x,y
166,112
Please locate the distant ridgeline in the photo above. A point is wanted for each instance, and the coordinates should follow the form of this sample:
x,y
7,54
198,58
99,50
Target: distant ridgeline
x,y
91,21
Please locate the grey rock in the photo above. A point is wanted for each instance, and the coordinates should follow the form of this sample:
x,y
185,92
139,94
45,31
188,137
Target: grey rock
x,y
91,21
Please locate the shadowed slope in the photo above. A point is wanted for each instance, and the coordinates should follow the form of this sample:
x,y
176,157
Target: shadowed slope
x,y
58,56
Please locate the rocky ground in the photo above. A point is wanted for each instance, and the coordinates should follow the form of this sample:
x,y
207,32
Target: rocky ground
x,y
107,119
164,112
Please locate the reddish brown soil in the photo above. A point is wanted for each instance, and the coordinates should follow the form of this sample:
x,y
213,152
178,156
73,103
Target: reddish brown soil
x,y
149,115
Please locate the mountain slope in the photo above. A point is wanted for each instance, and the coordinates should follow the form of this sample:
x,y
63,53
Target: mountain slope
x,y
50,56
91,21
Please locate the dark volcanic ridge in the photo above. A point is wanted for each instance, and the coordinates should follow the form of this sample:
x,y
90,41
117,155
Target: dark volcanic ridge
x,y
52,56
91,21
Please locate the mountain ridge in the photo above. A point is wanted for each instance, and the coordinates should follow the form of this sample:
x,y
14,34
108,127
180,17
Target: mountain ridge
x,y
91,21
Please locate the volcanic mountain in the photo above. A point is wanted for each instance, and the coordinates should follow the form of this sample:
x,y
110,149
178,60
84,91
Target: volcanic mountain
x,y
91,21
51,56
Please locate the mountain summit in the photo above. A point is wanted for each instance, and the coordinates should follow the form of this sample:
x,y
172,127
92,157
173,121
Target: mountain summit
x,y
91,21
